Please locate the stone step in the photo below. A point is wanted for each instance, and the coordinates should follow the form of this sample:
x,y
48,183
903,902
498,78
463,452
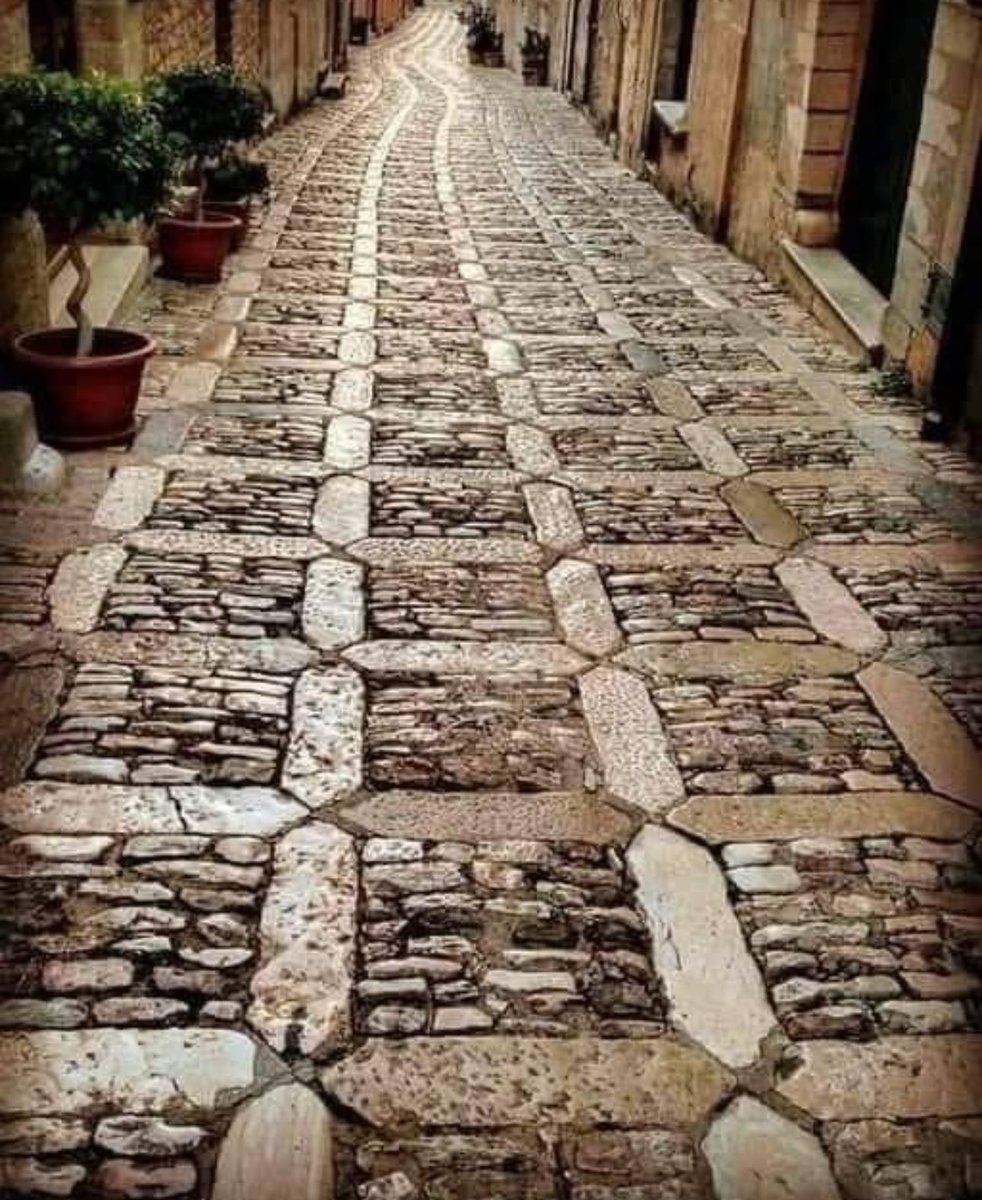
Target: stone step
x,y
842,299
118,274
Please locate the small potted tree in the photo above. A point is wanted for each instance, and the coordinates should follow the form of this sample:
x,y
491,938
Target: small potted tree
x,y
484,43
229,187
80,153
205,110
535,58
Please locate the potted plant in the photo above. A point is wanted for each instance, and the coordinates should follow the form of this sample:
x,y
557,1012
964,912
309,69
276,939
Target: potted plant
x,y
484,43
205,110
229,186
535,58
80,153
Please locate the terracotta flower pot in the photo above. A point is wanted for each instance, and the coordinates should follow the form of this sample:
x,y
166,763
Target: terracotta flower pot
x,y
195,250
232,208
84,402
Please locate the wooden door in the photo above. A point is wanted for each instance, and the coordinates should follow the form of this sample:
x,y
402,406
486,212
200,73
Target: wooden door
x,y
888,119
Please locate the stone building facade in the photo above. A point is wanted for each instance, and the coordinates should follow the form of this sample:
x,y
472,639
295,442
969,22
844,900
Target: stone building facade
x,y
283,43
833,142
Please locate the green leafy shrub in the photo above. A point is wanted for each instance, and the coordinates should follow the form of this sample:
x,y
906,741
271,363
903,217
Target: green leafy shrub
x,y
206,110
235,177
80,152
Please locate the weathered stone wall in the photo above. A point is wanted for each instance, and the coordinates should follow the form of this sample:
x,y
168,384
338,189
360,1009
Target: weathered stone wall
x,y
246,44
15,45
940,190
176,32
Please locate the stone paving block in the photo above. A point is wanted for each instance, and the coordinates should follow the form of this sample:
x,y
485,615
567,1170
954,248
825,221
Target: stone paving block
x,y
306,944
333,606
509,1081
323,757
698,947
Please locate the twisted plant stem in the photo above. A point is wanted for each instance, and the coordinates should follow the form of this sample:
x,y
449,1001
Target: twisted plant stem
x,y
86,333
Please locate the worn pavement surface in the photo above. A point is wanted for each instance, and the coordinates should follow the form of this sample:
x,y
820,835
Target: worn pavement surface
x,y
519,696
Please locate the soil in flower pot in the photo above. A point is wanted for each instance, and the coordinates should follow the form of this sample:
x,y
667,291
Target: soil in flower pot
x,y
84,402
195,250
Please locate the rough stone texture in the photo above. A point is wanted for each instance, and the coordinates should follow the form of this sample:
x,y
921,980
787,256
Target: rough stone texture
x,y
498,1081
830,608
323,759
754,1151
698,947
904,1077
939,746
630,740
166,1070
307,943
280,1144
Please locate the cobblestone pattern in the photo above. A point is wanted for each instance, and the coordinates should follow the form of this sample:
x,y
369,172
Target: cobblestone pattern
x,y
516,937
817,735
459,603
460,733
123,724
222,594
378,798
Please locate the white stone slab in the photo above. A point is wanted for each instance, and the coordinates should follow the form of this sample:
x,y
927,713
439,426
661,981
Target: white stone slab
x,y
69,808
420,551
830,607
713,987
251,811
903,1078
755,1152
357,349
557,525
456,658
939,745
279,1147
348,443
359,315
353,389
301,992
341,513
193,651
504,357
531,450
125,1070
583,608
493,1081
323,758
245,545
80,585
713,449
630,741
333,613
131,494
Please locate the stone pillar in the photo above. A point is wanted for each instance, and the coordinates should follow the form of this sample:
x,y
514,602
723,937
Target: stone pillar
x,y
15,36
824,74
23,278
110,36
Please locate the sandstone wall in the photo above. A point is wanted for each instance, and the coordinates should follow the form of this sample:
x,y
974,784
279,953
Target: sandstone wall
x,y
15,45
177,32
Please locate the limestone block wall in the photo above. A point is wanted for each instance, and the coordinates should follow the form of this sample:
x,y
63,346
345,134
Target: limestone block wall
x,y
15,45
246,44
176,32
940,190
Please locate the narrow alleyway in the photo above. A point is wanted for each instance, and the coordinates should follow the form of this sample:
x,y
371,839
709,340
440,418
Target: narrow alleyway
x,y
509,725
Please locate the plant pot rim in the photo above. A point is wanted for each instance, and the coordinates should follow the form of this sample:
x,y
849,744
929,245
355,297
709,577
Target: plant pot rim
x,y
143,347
217,220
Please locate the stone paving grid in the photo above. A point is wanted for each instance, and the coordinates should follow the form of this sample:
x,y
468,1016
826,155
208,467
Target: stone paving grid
x,y
332,782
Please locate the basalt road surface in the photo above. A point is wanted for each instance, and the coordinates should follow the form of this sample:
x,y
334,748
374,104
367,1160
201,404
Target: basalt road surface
x,y
508,729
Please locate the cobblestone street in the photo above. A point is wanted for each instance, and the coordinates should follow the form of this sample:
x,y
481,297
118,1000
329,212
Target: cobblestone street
x,y
509,727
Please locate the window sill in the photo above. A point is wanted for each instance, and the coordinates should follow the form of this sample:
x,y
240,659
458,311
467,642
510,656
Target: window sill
x,y
673,116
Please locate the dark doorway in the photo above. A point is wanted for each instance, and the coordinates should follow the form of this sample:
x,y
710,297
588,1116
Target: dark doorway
x,y
888,119
958,378
53,40
578,65
223,32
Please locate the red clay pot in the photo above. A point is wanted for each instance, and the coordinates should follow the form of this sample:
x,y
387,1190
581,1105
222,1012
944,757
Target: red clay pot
x,y
195,250
84,402
232,208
